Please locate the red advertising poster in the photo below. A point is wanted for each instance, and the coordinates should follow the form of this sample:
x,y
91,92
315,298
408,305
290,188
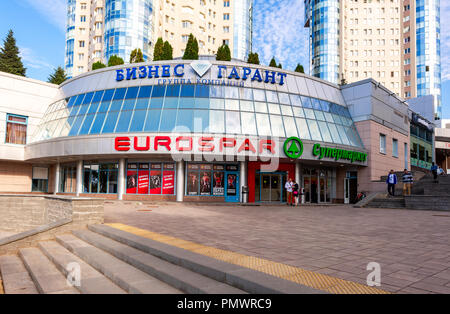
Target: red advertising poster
x,y
143,182
169,183
155,182
131,182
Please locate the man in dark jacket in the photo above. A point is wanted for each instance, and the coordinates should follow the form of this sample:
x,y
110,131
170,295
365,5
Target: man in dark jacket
x,y
391,182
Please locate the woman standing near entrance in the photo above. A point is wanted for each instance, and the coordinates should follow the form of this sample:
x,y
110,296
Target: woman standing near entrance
x,y
295,191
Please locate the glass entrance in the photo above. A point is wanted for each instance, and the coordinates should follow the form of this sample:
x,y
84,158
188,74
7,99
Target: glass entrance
x,y
270,187
317,185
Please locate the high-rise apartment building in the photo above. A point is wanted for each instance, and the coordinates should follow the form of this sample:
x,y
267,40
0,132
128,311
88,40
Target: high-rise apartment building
x,y
98,29
396,42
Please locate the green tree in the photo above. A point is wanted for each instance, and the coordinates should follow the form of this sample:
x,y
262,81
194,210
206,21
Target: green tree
x,y
58,77
273,63
158,52
299,69
280,66
253,58
10,60
191,51
98,65
136,56
223,53
167,51
115,60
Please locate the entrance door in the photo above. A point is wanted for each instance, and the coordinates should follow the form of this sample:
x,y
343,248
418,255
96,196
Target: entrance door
x,y
265,187
276,188
271,187
322,191
232,187
307,187
347,191
314,190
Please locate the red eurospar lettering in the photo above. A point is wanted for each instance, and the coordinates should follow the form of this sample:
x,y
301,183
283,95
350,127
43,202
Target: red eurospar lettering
x,y
186,144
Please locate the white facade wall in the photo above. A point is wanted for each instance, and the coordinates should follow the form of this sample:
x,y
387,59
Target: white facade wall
x,y
24,97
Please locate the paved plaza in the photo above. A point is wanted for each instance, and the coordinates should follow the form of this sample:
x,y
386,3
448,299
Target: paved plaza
x,y
412,247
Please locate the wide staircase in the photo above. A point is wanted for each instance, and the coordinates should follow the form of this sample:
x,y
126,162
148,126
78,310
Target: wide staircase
x,y
105,260
426,194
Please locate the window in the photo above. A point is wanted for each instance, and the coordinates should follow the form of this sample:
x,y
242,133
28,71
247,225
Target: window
x,y
83,18
382,143
81,43
226,17
209,180
226,4
100,178
40,180
16,129
151,178
395,148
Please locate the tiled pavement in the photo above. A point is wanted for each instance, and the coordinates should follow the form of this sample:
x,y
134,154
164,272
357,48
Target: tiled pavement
x,y
412,247
4,234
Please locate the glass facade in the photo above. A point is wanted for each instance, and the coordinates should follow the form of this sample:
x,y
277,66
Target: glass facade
x,y
421,147
199,109
243,28
428,42
322,17
70,37
128,25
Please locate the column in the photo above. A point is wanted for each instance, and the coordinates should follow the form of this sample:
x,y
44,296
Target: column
x,y
243,178
180,181
121,180
298,174
57,177
79,189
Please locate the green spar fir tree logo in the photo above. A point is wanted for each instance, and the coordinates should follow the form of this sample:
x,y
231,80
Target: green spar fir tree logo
x,y
293,148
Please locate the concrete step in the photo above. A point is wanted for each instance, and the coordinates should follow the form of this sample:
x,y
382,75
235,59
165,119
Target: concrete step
x,y
130,248
92,282
46,277
122,274
16,279
174,275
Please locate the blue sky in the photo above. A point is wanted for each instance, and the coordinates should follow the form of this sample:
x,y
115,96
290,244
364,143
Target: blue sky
x,y
39,27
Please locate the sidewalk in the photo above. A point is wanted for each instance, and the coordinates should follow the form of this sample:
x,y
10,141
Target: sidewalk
x,y
411,247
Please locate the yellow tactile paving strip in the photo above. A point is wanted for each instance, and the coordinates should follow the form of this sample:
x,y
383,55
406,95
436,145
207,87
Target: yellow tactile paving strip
x,y
295,274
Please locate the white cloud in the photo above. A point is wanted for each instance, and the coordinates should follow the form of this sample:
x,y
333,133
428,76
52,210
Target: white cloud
x,y
279,32
53,10
31,60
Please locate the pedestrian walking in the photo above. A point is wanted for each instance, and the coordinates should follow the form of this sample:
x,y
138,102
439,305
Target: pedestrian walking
x,y
407,179
391,182
289,191
434,171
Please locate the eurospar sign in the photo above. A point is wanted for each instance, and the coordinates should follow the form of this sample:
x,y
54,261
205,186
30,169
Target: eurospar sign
x,y
226,75
196,145
293,147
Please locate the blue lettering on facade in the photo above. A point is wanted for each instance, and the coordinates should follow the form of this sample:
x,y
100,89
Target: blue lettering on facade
x,y
166,71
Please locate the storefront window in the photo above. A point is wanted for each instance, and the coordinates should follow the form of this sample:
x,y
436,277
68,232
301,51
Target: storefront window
x,y
209,179
100,178
151,178
16,129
